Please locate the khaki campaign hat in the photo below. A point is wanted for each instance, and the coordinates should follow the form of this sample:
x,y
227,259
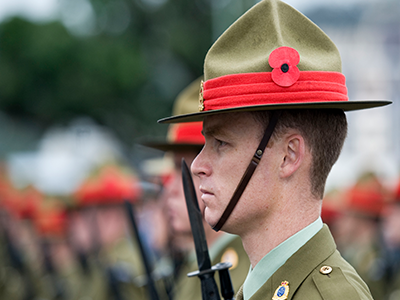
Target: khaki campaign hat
x,y
183,136
273,57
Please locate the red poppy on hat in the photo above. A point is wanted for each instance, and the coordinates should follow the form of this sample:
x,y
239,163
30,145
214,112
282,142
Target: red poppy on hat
x,y
284,62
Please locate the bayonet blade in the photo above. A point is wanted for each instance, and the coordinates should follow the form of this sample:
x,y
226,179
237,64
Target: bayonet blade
x,y
196,220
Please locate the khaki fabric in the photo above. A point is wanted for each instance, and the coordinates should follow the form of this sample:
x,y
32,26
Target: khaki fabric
x,y
189,287
115,273
18,281
188,100
89,284
302,271
125,259
246,45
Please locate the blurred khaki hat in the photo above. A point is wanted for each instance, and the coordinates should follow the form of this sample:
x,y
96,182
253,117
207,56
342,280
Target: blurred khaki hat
x,y
183,136
272,57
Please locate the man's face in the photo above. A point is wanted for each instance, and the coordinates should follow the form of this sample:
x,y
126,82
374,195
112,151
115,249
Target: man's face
x,y
231,141
174,196
391,225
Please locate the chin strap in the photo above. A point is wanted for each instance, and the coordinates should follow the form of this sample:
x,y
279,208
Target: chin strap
x,y
250,169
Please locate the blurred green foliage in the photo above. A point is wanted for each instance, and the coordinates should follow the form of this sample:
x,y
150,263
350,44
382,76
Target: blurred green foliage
x,y
124,78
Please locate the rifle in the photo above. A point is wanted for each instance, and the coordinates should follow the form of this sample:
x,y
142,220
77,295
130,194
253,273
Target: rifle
x,y
150,281
209,287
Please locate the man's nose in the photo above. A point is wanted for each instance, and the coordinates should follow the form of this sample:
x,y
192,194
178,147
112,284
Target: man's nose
x,y
199,166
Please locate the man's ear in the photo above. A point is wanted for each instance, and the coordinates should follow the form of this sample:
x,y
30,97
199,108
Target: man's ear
x,y
294,154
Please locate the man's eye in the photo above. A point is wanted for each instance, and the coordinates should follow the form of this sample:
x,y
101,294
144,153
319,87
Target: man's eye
x,y
221,143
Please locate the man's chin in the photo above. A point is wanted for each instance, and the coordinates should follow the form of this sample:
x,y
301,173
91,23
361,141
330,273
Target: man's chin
x,y
210,221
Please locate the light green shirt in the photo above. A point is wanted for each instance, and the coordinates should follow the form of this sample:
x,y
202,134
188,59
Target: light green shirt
x,y
276,258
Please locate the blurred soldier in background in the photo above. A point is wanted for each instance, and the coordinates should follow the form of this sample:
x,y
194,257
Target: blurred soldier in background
x,y
116,253
51,249
331,209
185,141
87,278
17,273
50,224
21,256
390,265
358,229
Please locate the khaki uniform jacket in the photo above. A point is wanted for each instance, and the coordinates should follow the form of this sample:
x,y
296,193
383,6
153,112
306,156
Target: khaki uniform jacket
x,y
189,287
306,281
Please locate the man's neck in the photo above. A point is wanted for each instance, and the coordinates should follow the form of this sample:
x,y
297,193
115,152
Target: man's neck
x,y
211,235
277,228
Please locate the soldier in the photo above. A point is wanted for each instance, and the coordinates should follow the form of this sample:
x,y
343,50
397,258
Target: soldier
x,y
185,141
18,278
21,254
274,73
391,236
110,259
358,230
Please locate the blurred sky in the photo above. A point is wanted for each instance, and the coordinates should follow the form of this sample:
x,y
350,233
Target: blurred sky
x,y
41,10
77,15
34,9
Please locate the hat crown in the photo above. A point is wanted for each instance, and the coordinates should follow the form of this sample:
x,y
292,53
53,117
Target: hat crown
x,y
184,136
188,100
241,75
246,45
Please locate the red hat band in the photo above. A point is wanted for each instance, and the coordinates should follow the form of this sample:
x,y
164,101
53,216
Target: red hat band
x,y
285,84
187,133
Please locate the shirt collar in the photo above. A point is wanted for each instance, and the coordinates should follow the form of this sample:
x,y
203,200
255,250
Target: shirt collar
x,y
273,260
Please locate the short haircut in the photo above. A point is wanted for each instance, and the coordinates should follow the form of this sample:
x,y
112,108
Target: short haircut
x,y
324,132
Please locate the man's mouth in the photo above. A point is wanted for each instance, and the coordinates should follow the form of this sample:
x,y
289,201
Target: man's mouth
x,y
205,193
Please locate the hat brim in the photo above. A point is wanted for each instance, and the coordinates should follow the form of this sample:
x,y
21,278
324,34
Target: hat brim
x,y
166,146
346,106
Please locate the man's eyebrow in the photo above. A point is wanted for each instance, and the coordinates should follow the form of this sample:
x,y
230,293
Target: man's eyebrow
x,y
210,131
213,131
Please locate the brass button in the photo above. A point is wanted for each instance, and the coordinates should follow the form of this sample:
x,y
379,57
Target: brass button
x,y
325,270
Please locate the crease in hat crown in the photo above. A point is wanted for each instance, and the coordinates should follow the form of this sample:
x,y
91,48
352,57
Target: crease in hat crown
x,y
237,71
